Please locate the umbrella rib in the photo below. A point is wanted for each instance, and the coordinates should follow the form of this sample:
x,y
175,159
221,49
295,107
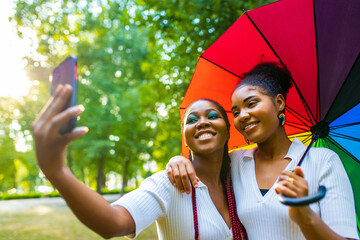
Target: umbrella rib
x,y
345,136
308,112
219,66
344,125
296,125
306,134
307,139
342,149
297,115
342,86
325,143
316,144
317,65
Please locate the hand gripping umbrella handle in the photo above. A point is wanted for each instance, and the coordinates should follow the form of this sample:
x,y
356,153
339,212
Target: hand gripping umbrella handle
x,y
304,200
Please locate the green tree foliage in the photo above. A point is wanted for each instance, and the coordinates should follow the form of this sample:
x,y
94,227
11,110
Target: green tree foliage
x,y
7,142
18,165
136,59
182,30
28,107
110,47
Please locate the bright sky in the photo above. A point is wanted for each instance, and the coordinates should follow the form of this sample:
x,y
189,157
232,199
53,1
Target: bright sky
x,y
13,80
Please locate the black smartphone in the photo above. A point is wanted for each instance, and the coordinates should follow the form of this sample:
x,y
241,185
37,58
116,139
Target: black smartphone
x,y
66,73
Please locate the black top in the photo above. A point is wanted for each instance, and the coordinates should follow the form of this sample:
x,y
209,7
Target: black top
x,y
264,191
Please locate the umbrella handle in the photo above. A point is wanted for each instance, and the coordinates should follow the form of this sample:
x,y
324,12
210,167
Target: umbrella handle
x,y
304,200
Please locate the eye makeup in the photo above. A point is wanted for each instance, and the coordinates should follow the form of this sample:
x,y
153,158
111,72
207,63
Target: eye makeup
x,y
213,115
191,119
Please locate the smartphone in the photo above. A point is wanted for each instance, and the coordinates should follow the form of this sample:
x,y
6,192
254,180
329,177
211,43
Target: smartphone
x,y
66,73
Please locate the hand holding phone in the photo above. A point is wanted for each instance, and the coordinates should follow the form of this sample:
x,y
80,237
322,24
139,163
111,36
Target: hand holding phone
x,y
66,73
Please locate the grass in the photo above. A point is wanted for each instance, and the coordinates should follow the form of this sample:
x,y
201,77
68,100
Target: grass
x,y
51,222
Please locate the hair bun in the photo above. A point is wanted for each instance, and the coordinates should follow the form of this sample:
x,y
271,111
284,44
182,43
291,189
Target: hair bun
x,y
271,76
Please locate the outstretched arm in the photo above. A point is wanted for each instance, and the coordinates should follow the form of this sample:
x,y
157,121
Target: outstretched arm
x,y
179,170
89,207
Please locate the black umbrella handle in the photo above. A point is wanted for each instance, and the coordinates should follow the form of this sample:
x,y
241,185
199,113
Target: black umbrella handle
x,y
297,202
308,199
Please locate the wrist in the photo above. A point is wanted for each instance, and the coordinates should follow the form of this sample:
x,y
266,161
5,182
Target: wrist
x,y
307,217
57,175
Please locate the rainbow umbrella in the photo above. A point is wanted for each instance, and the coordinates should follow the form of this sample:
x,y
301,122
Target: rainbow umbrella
x,y
318,41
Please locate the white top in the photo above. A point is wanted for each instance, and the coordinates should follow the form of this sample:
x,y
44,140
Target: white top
x,y
264,217
157,200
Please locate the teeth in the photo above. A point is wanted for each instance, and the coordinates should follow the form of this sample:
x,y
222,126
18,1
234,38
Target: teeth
x,y
249,126
205,135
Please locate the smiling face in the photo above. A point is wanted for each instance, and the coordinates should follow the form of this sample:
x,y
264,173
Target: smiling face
x,y
205,130
256,113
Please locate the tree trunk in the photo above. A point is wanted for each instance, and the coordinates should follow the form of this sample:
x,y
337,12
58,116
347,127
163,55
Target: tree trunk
x,y
14,185
100,179
125,178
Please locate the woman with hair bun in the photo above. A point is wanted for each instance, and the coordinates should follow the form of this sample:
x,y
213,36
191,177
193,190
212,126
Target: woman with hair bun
x,y
258,175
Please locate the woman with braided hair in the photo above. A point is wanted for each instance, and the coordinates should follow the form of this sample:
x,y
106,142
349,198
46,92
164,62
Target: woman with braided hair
x,y
208,213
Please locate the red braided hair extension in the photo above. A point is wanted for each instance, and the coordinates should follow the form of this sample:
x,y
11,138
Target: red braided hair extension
x,y
196,224
238,230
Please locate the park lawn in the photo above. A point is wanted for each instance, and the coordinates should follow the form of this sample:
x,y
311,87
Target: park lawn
x,y
46,222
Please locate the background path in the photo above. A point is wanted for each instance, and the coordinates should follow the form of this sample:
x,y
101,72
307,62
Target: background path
x,y
11,206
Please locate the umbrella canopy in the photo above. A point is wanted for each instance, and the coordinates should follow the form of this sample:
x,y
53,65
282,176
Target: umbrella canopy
x,y
318,41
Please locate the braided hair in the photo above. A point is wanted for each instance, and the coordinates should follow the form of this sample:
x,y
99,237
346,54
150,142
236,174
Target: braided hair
x,y
238,230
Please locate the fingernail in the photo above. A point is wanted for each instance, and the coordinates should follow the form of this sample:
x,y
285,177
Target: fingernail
x,y
196,185
81,108
58,88
188,192
81,129
182,191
